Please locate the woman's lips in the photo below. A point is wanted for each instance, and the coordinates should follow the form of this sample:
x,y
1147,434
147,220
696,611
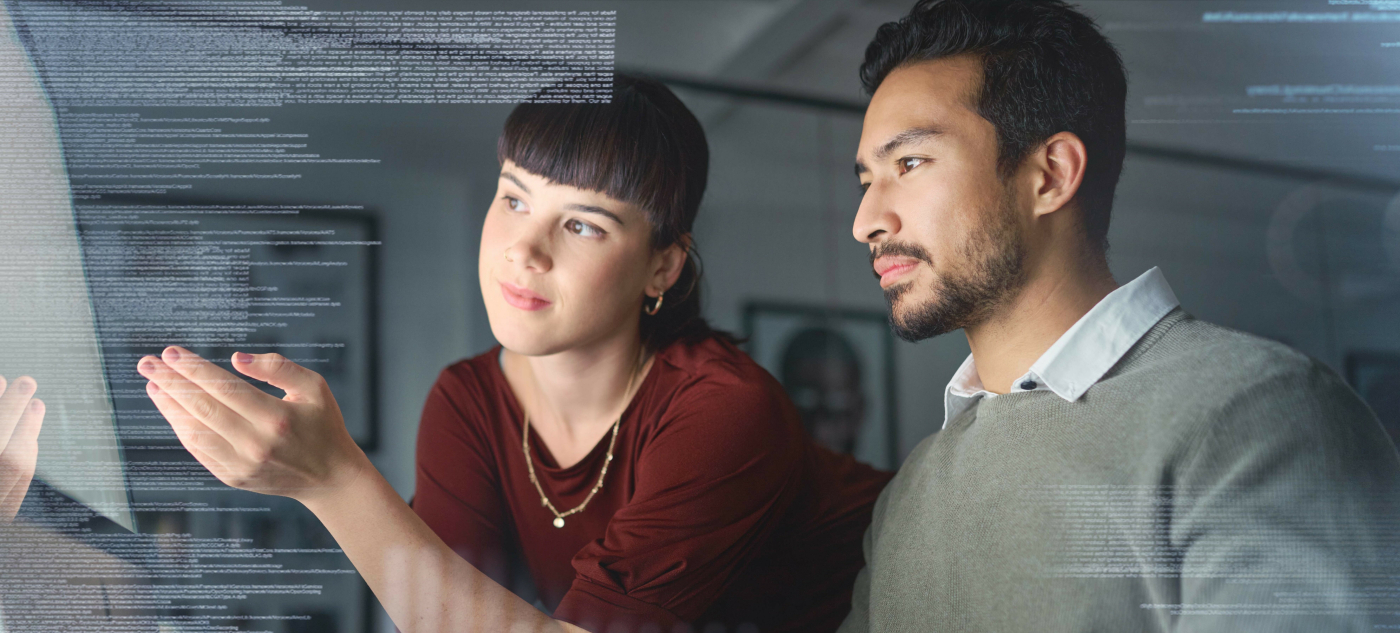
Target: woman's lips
x,y
523,298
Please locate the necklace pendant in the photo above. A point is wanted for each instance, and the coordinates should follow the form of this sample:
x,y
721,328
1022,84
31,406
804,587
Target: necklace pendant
x,y
558,522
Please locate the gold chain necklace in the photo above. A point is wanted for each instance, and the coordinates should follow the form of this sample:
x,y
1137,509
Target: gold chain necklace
x,y
530,462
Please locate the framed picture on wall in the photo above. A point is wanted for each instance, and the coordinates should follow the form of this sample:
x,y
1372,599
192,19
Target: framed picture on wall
x,y
1376,376
837,365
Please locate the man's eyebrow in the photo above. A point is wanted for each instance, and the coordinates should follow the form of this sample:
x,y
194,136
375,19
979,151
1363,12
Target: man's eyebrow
x,y
907,137
511,177
588,208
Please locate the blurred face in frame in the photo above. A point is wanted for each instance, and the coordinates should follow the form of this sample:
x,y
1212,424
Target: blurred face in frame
x,y
560,267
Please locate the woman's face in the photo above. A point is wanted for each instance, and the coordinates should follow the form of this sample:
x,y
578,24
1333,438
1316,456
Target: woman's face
x,y
564,268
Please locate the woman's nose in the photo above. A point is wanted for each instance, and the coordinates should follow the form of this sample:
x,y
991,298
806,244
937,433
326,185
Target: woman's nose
x,y
530,250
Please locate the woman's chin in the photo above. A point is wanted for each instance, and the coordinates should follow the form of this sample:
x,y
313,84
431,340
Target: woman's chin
x,y
525,341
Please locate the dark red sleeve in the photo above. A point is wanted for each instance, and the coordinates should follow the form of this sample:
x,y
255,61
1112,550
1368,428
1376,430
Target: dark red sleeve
x,y
712,485
456,490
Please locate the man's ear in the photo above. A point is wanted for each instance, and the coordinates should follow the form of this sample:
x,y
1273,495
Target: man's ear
x,y
669,262
1059,170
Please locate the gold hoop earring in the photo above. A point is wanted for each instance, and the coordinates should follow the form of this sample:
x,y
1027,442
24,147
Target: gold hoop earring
x,y
655,308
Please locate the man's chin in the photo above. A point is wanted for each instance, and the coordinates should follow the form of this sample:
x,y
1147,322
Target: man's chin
x,y
914,319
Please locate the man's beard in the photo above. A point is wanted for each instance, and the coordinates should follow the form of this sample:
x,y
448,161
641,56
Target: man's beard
x,y
993,269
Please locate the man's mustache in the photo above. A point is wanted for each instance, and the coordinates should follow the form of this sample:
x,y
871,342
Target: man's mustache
x,y
898,249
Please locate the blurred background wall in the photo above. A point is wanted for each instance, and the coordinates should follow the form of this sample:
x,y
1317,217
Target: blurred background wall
x,y
1271,223
1266,209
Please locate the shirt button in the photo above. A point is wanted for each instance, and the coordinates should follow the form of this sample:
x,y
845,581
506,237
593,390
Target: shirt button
x,y
1028,385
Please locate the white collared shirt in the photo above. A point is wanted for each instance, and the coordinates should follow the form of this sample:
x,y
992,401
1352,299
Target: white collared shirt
x,y
1084,353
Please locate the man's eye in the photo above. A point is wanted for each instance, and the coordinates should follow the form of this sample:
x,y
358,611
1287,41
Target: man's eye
x,y
585,229
906,164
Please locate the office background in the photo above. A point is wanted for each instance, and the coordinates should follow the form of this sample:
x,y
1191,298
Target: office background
x,y
1262,178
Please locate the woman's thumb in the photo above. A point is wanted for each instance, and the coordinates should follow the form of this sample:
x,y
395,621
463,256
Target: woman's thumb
x,y
276,370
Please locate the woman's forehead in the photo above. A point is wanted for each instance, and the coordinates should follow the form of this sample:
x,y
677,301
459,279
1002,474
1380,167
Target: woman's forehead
x,y
536,185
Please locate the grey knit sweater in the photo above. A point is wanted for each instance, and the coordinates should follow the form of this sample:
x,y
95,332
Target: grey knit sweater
x,y
1211,481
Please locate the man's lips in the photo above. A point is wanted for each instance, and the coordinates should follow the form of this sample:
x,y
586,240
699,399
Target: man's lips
x,y
891,268
523,298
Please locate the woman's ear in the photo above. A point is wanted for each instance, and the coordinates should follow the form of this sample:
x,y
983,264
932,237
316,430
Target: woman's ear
x,y
668,263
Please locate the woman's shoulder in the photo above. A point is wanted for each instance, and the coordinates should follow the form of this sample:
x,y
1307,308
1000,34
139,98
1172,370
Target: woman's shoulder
x,y
477,373
713,378
466,387
714,360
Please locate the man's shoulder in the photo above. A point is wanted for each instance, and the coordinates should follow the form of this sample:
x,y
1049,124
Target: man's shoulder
x,y
1213,361
1203,379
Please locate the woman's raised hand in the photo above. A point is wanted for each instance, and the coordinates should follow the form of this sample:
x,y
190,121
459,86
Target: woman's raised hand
x,y
21,415
296,446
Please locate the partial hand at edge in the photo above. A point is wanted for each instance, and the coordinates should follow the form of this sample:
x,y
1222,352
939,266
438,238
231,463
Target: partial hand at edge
x,y
21,416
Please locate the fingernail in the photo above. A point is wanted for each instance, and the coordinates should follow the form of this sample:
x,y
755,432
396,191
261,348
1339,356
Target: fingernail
x,y
171,354
241,358
25,385
35,405
152,388
146,365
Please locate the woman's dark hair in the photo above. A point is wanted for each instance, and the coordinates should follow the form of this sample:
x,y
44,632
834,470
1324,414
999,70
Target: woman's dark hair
x,y
1046,69
644,148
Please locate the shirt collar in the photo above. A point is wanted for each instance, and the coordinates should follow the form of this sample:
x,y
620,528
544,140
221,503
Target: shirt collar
x,y
1085,352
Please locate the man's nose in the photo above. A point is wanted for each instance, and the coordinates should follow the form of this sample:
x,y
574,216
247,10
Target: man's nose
x,y
875,220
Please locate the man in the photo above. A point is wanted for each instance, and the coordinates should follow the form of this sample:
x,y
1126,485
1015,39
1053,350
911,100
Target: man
x,y
1107,462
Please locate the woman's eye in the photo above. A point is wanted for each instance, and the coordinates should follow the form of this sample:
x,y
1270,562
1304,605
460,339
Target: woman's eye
x,y
906,164
514,203
585,229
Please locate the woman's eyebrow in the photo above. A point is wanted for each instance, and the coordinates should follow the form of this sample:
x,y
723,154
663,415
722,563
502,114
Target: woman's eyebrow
x,y
588,208
511,177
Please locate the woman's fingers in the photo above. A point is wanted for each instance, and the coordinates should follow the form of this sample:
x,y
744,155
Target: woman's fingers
x,y
199,405
12,405
27,431
211,449
19,459
300,383
12,493
230,390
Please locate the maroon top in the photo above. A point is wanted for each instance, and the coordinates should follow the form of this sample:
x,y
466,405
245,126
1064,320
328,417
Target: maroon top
x,y
717,507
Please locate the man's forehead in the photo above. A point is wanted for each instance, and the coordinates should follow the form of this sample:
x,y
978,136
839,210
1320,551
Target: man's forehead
x,y
927,94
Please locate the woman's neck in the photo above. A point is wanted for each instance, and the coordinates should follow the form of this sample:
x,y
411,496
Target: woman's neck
x,y
574,392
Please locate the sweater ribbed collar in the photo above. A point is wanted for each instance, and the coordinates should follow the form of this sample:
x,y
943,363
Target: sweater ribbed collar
x,y
1084,353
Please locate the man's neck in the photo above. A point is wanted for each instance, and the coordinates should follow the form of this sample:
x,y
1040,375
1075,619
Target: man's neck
x,y
1055,297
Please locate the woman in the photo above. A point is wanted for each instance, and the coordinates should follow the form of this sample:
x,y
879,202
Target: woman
x,y
650,473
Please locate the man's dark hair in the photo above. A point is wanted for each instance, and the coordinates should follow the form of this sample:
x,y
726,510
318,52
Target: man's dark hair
x,y
1046,69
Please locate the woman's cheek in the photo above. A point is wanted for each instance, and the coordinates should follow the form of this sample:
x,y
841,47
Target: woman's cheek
x,y
491,246
600,287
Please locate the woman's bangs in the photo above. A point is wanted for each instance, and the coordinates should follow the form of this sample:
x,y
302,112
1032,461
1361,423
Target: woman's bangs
x,y
615,149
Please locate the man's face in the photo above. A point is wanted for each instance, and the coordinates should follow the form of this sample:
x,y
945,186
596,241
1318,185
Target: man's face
x,y
945,232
